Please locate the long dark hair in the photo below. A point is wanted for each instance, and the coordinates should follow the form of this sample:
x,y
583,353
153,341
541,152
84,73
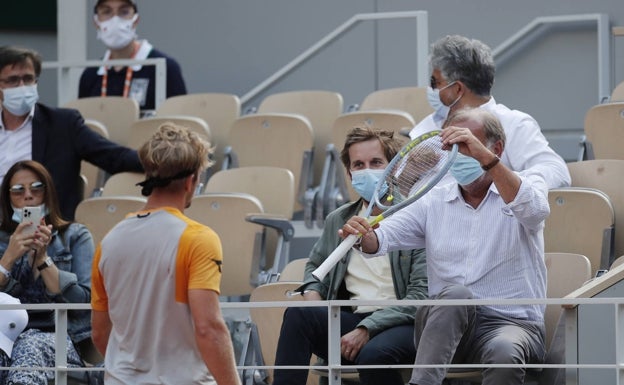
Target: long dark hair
x,y
50,198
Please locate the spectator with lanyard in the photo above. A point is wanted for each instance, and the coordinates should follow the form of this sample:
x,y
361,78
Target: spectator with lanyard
x,y
116,22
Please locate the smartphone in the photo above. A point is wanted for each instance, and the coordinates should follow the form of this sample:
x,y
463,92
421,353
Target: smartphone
x,y
32,215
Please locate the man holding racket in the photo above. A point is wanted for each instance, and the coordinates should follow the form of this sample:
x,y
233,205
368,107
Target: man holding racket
x,y
462,77
370,335
483,236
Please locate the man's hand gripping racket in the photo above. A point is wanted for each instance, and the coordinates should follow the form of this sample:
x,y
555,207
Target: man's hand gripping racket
x,y
410,174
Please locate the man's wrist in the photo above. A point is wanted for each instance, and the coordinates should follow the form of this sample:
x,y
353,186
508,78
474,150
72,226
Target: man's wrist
x,y
490,165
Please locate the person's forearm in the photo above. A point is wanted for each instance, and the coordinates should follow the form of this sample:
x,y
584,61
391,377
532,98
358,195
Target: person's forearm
x,y
50,277
101,327
215,346
506,181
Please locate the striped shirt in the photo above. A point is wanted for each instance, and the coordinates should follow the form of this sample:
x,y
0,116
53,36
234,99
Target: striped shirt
x,y
496,250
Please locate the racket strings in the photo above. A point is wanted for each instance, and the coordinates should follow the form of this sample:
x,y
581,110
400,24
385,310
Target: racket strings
x,y
415,170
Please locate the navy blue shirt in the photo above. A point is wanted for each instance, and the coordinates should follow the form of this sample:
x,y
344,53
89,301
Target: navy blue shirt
x,y
91,82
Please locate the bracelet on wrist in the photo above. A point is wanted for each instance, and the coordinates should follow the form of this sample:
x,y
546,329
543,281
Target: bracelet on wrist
x,y
491,165
4,271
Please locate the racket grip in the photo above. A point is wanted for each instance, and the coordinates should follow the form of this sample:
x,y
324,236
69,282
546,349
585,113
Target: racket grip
x,y
334,257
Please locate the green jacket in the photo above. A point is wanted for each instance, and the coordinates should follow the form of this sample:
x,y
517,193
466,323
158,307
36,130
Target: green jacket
x,y
409,274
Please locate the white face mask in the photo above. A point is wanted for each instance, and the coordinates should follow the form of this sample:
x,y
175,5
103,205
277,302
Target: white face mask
x,y
433,97
20,100
116,33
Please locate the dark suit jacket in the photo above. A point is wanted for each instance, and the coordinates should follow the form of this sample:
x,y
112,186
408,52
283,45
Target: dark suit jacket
x,y
60,140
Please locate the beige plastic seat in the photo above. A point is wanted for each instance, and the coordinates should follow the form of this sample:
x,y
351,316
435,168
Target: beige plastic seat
x,y
100,214
142,129
604,130
566,273
617,95
225,214
618,261
95,176
275,140
218,110
294,270
606,176
273,186
320,107
581,221
412,100
335,187
123,184
268,320
115,112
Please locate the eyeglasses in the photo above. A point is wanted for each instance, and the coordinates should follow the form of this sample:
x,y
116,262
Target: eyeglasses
x,y
107,13
14,81
433,83
35,188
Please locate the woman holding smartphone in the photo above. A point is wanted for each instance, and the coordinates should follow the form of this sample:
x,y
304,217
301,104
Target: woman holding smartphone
x,y
50,264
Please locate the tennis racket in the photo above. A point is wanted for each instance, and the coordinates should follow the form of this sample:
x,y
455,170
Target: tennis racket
x,y
410,174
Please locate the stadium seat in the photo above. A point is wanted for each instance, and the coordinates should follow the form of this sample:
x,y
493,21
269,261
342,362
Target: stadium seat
x,y
412,100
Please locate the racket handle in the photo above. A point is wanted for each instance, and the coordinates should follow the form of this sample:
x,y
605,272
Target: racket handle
x,y
333,258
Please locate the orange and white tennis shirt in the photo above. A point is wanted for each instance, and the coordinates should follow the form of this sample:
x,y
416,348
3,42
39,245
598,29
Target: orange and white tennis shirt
x,y
141,274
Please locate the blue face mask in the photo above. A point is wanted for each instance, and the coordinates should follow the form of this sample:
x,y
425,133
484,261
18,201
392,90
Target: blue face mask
x,y
18,213
364,182
466,169
20,100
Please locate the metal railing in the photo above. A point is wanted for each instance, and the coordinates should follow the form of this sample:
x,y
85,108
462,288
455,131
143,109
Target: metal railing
x,y
334,366
64,67
542,25
421,39
511,46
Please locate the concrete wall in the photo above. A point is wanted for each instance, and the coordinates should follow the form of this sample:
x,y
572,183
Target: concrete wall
x,y
231,46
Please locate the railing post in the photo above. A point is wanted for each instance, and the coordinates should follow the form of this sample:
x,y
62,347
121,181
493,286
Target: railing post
x,y
60,352
333,347
619,342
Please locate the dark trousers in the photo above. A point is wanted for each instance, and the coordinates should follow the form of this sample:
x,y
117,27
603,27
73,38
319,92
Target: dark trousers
x,y
304,332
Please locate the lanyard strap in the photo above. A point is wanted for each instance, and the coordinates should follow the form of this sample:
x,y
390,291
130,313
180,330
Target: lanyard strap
x,y
127,81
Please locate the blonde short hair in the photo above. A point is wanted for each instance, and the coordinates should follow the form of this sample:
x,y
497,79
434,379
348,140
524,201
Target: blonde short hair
x,y
173,152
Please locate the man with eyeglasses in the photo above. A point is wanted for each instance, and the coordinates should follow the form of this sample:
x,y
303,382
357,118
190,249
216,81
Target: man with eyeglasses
x,y
116,22
55,137
462,77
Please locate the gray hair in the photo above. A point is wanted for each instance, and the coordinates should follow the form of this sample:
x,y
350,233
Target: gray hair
x,y
492,127
467,60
